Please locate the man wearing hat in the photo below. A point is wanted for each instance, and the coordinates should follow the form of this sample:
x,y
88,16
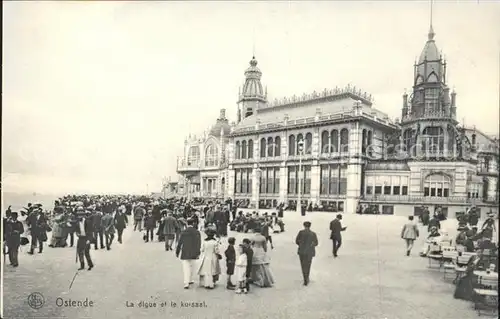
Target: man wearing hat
x,y
13,233
38,226
85,233
188,248
139,214
307,241
336,235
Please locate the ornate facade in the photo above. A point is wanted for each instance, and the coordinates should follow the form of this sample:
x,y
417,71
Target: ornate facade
x,y
203,168
350,153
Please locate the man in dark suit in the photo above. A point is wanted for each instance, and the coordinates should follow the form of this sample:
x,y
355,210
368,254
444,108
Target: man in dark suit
x,y
38,227
85,233
121,222
189,248
13,230
307,241
336,236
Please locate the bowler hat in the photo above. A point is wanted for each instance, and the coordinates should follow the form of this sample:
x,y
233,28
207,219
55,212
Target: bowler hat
x,y
307,224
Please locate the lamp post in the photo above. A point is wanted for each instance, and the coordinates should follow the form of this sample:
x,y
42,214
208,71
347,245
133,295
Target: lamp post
x,y
300,149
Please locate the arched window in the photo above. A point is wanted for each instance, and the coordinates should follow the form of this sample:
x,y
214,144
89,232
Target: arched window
x,y
369,142
270,147
211,156
334,141
237,150
433,140
263,147
437,185
291,145
364,142
300,137
250,148
244,149
277,146
193,155
308,143
325,142
344,140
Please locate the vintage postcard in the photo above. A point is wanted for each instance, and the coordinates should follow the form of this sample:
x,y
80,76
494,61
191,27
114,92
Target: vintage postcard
x,y
250,159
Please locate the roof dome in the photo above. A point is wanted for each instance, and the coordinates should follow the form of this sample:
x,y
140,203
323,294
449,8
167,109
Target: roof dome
x,y
222,124
253,87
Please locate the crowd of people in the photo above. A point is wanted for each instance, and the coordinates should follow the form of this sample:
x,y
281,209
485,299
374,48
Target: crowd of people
x,y
95,220
480,243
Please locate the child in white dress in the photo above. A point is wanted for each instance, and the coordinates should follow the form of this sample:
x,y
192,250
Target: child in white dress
x,y
241,270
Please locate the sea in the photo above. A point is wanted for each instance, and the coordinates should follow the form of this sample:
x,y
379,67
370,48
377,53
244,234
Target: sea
x,y
19,200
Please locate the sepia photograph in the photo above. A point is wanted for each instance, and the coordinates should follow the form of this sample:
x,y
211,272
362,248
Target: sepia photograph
x,y
250,159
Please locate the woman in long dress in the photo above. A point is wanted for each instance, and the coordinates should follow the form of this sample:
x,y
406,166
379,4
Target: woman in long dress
x,y
209,269
261,273
57,231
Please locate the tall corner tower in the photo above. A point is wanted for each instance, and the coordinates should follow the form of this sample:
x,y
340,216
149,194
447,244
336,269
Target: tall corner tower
x,y
428,116
252,94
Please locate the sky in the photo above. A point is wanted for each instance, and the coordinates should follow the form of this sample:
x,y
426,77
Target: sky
x,y
99,96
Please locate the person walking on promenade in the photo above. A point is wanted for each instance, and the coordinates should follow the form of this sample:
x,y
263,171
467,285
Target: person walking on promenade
x,y
121,222
38,227
409,233
108,226
98,230
336,236
85,233
150,225
169,228
138,216
188,248
307,241
13,231
249,253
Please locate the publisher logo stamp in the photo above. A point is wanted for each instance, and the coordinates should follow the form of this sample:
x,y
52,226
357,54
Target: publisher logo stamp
x,y
36,300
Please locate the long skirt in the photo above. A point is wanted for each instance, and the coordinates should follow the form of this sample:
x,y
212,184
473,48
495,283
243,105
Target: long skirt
x,y
262,275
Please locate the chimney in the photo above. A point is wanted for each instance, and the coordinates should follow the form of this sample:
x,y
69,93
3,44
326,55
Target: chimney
x,y
222,114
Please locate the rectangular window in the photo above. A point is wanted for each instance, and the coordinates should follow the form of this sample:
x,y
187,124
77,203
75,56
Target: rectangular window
x,y
270,180
378,190
404,190
387,190
323,189
426,191
276,180
439,192
387,210
249,181
369,190
445,192
340,206
262,181
396,190
238,181
433,192
334,179
291,180
307,185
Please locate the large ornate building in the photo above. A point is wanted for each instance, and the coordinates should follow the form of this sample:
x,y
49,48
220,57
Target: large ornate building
x,y
334,149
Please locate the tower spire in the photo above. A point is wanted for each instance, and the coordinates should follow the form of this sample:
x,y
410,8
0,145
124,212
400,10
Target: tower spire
x,y
431,30
253,44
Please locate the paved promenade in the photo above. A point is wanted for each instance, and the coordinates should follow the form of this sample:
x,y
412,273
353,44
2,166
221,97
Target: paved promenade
x,y
372,278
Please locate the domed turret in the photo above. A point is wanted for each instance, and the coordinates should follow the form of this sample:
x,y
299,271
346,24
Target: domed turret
x,y
221,125
252,92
